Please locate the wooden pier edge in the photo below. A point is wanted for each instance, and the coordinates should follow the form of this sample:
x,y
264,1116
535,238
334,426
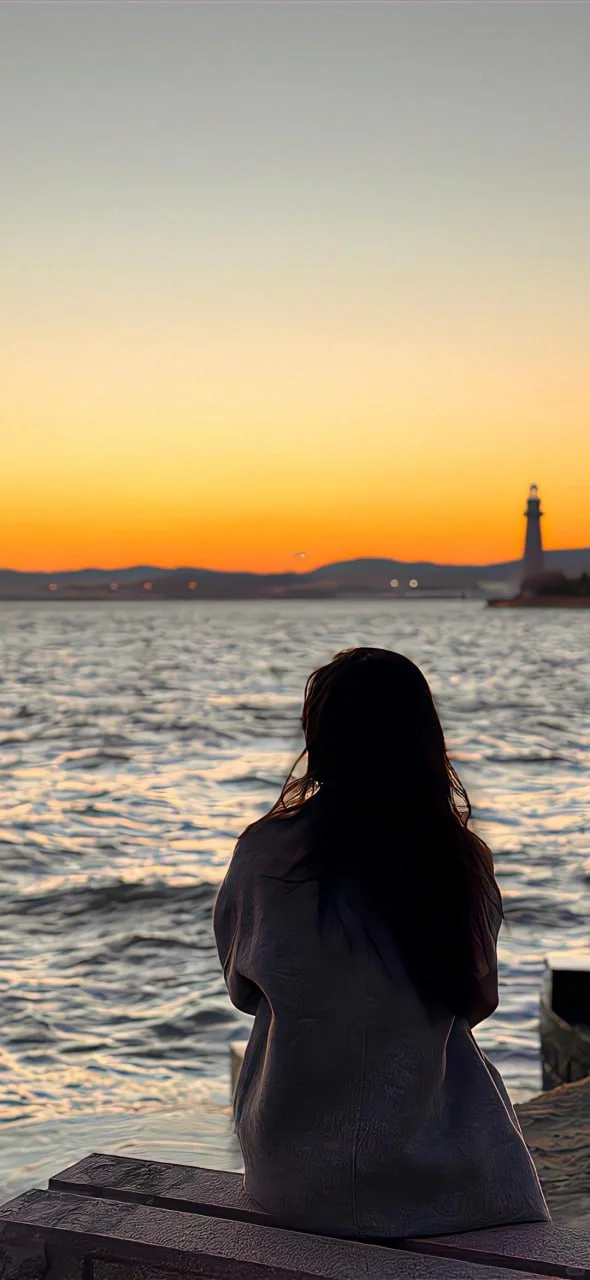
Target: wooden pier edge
x,y
53,1235
538,1248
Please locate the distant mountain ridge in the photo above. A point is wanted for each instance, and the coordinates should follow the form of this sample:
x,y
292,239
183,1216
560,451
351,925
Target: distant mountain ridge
x,y
363,575
569,561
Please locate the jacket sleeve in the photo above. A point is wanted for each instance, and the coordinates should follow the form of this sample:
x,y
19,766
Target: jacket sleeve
x,y
227,925
486,943
486,971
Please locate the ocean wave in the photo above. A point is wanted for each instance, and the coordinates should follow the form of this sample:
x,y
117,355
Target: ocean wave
x,y
508,758
94,759
87,897
536,912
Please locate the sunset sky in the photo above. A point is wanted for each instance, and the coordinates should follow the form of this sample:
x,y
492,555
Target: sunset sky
x,y
292,276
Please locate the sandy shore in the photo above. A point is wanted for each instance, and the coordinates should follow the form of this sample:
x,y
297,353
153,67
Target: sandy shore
x,y
557,1129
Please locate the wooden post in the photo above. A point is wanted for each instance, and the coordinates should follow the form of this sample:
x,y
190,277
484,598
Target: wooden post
x,y
565,1018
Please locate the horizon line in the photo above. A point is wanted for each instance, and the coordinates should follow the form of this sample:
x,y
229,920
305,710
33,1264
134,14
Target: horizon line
x,y
275,573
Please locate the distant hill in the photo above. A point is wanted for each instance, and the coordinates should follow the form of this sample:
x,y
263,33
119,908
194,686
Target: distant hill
x,y
569,561
347,577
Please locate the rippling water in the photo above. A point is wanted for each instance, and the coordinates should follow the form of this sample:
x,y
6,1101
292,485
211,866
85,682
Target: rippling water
x,y
136,741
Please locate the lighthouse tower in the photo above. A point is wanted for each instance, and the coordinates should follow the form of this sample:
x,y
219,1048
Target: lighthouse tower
x,y
533,547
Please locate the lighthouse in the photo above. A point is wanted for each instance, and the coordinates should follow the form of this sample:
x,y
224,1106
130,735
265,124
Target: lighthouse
x,y
533,547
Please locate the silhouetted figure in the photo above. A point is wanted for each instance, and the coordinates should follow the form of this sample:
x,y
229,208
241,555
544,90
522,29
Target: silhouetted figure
x,y
358,923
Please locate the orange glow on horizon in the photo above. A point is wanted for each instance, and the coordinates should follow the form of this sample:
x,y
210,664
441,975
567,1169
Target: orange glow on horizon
x,y
127,453
265,544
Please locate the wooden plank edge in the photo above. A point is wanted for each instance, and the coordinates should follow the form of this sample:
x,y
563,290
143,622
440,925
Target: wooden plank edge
x,y
168,1201
439,1248
64,1225
431,1246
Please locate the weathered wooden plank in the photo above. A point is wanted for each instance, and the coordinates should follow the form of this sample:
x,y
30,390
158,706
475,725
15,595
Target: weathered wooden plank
x,y
213,1192
205,1247
535,1246
539,1246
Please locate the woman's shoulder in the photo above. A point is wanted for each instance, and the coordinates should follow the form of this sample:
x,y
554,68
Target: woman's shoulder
x,y
284,828
271,843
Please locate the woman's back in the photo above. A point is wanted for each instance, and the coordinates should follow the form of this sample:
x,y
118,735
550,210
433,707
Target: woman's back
x,y
358,1110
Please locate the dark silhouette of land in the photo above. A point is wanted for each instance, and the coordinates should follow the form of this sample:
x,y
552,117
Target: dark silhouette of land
x,y
364,578
551,589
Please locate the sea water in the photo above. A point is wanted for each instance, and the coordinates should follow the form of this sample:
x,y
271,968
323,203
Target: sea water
x,y
136,742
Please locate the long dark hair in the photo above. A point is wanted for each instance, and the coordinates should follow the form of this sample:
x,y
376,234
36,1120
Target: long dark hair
x,y
390,813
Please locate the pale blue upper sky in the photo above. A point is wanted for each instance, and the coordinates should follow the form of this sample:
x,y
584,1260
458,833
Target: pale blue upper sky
x,y
300,130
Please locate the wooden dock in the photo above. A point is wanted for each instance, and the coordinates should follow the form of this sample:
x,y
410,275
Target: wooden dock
x,y
113,1218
